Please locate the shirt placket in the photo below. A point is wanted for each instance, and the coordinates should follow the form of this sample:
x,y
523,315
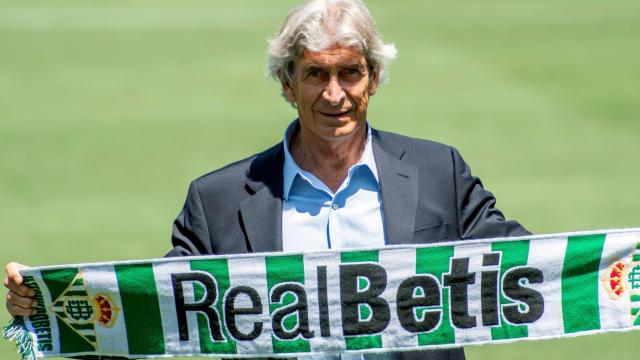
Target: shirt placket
x,y
333,231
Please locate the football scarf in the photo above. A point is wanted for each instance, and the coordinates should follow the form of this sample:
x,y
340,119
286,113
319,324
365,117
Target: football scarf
x,y
394,298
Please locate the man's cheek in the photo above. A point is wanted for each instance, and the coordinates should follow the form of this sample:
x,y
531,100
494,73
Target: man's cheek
x,y
362,106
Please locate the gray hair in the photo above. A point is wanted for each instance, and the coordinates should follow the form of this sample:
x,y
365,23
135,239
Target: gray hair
x,y
316,25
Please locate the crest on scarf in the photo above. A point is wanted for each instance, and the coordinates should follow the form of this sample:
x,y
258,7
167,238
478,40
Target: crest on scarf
x,y
622,278
82,312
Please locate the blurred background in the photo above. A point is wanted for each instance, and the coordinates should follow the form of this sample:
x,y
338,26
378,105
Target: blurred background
x,y
109,108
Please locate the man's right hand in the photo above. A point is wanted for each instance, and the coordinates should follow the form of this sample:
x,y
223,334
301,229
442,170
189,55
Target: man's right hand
x,y
20,298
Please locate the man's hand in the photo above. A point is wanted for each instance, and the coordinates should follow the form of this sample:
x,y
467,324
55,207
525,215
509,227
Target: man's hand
x,y
20,301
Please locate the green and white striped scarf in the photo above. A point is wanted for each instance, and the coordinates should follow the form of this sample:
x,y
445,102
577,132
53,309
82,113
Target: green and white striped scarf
x,y
374,300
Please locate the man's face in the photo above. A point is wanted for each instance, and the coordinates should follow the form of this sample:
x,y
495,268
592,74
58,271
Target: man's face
x,y
331,91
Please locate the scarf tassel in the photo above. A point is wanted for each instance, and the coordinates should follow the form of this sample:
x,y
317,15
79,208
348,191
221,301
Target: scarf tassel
x,y
17,331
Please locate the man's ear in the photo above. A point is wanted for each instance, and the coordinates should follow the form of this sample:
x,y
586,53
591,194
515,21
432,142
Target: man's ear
x,y
373,83
288,92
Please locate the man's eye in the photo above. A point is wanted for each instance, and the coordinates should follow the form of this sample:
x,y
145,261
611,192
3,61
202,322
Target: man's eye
x,y
314,73
351,73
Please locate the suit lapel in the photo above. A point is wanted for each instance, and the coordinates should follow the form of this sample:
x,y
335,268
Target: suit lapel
x,y
261,212
399,188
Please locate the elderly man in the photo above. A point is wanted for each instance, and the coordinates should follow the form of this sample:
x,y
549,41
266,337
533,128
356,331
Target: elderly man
x,y
333,182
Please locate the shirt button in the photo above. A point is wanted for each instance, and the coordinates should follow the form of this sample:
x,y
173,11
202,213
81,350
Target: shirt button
x,y
335,206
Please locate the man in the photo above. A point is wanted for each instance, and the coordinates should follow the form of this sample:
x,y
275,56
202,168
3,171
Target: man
x,y
333,182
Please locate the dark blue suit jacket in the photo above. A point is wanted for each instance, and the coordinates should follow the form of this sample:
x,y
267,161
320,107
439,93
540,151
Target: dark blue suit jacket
x,y
428,196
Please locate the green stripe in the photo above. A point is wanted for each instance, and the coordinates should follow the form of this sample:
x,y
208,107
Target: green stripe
x,y
88,326
435,261
57,282
359,256
580,310
61,314
219,269
364,342
635,311
367,341
635,298
286,269
140,306
514,253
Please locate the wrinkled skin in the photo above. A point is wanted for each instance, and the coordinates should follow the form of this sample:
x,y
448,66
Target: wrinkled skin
x,y
331,91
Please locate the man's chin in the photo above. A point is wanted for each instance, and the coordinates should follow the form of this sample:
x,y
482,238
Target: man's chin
x,y
333,128
344,130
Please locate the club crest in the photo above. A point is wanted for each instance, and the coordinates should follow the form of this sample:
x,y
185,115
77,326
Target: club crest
x,y
82,311
622,279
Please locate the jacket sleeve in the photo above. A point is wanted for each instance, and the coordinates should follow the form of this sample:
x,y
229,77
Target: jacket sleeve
x,y
190,235
477,215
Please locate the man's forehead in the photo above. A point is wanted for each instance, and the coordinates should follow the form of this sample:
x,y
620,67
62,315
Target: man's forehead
x,y
334,56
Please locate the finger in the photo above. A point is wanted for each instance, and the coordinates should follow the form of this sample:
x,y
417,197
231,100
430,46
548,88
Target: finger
x,y
13,272
22,301
16,310
21,290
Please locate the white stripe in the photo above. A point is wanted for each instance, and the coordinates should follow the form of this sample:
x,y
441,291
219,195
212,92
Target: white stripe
x,y
173,345
400,264
332,261
614,314
478,333
102,279
548,256
251,272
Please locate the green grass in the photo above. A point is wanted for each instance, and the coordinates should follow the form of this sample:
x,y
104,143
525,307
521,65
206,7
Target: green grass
x,y
108,109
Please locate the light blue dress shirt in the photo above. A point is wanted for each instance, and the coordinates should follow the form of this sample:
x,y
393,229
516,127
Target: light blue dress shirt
x,y
316,218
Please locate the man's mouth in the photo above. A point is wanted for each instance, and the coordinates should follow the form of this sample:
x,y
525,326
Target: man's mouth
x,y
335,114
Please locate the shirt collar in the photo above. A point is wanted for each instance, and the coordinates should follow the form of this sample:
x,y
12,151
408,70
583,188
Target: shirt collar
x,y
291,169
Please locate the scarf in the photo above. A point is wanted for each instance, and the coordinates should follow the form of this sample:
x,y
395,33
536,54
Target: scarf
x,y
394,298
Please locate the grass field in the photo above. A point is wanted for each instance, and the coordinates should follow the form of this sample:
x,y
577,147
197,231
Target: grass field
x,y
108,109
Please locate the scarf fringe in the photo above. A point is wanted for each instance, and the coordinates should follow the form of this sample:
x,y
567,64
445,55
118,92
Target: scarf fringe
x,y
17,331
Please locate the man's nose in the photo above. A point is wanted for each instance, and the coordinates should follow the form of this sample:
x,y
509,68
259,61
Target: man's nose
x,y
333,92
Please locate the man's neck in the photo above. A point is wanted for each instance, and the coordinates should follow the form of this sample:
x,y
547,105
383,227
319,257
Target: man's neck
x,y
328,160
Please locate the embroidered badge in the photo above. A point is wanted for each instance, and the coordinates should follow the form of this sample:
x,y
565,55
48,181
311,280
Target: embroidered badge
x,y
81,311
621,278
